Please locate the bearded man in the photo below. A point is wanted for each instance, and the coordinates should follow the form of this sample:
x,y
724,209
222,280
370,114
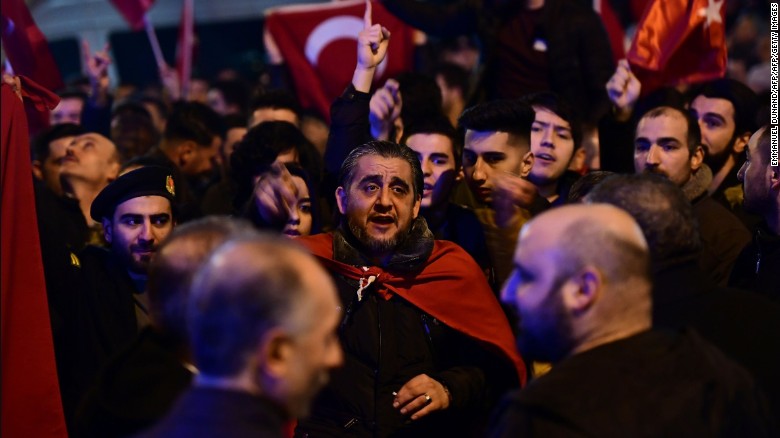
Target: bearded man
x,y
427,349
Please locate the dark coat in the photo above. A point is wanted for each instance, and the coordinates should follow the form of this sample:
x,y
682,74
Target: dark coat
x,y
386,343
654,384
744,325
106,313
758,266
211,412
135,389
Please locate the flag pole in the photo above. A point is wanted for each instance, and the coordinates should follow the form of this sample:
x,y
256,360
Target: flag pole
x,y
152,35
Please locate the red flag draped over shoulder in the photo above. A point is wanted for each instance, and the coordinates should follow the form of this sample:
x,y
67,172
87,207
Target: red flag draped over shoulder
x,y
31,405
133,11
679,42
319,45
451,288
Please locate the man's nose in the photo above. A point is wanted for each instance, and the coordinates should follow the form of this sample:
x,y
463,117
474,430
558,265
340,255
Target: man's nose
x,y
427,167
653,155
479,174
547,138
146,232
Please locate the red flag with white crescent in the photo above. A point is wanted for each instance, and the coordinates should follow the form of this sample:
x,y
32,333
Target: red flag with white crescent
x,y
319,45
679,42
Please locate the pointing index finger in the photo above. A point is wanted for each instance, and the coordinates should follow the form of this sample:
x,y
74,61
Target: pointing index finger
x,y
367,15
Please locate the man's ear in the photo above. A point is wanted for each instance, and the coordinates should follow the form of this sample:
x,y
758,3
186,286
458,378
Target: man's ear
x,y
582,290
740,143
416,207
184,152
341,200
774,179
527,165
36,170
107,231
274,353
697,158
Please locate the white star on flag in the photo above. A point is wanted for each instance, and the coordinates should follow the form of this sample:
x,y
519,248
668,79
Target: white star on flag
x,y
711,12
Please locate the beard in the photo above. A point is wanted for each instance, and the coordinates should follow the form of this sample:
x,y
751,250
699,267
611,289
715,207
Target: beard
x,y
373,245
547,335
716,161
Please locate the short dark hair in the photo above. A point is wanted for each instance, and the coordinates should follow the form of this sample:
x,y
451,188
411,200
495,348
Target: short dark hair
x,y
437,125
384,149
743,99
583,186
232,307
659,207
511,116
194,121
558,106
170,274
693,137
277,99
40,145
255,153
72,93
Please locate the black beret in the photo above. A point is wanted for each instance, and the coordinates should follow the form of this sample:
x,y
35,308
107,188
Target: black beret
x,y
144,181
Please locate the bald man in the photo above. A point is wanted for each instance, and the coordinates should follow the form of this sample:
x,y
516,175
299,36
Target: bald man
x,y
262,321
582,291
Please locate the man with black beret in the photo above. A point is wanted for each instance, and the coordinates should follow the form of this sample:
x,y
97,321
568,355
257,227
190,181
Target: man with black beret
x,y
137,213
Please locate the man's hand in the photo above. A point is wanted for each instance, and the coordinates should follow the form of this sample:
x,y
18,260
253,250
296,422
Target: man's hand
x,y
170,80
623,89
510,193
411,398
97,71
385,108
371,50
275,194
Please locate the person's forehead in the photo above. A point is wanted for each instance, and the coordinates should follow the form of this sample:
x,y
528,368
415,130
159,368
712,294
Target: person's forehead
x,y
490,141
383,166
723,107
671,124
547,116
69,103
57,147
300,185
429,143
144,205
753,143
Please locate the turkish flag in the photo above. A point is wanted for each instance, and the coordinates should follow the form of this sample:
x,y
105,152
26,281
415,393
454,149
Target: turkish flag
x,y
133,11
319,45
679,42
26,46
30,393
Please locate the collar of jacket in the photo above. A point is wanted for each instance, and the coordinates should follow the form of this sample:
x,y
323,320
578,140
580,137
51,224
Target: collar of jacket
x,y
698,184
409,255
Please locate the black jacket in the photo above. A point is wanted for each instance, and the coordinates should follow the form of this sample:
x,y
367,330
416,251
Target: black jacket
x,y
654,384
758,266
388,342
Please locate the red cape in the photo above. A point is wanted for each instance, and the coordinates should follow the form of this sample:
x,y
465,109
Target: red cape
x,y
451,288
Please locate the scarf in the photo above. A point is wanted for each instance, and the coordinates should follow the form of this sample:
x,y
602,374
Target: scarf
x,y
449,286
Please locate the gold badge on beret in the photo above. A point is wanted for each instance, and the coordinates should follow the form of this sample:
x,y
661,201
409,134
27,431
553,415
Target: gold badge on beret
x,y
169,185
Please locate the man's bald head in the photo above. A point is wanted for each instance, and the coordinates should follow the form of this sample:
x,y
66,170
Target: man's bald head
x,y
263,316
581,278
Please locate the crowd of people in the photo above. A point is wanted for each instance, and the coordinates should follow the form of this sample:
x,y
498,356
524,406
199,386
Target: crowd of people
x,y
545,250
